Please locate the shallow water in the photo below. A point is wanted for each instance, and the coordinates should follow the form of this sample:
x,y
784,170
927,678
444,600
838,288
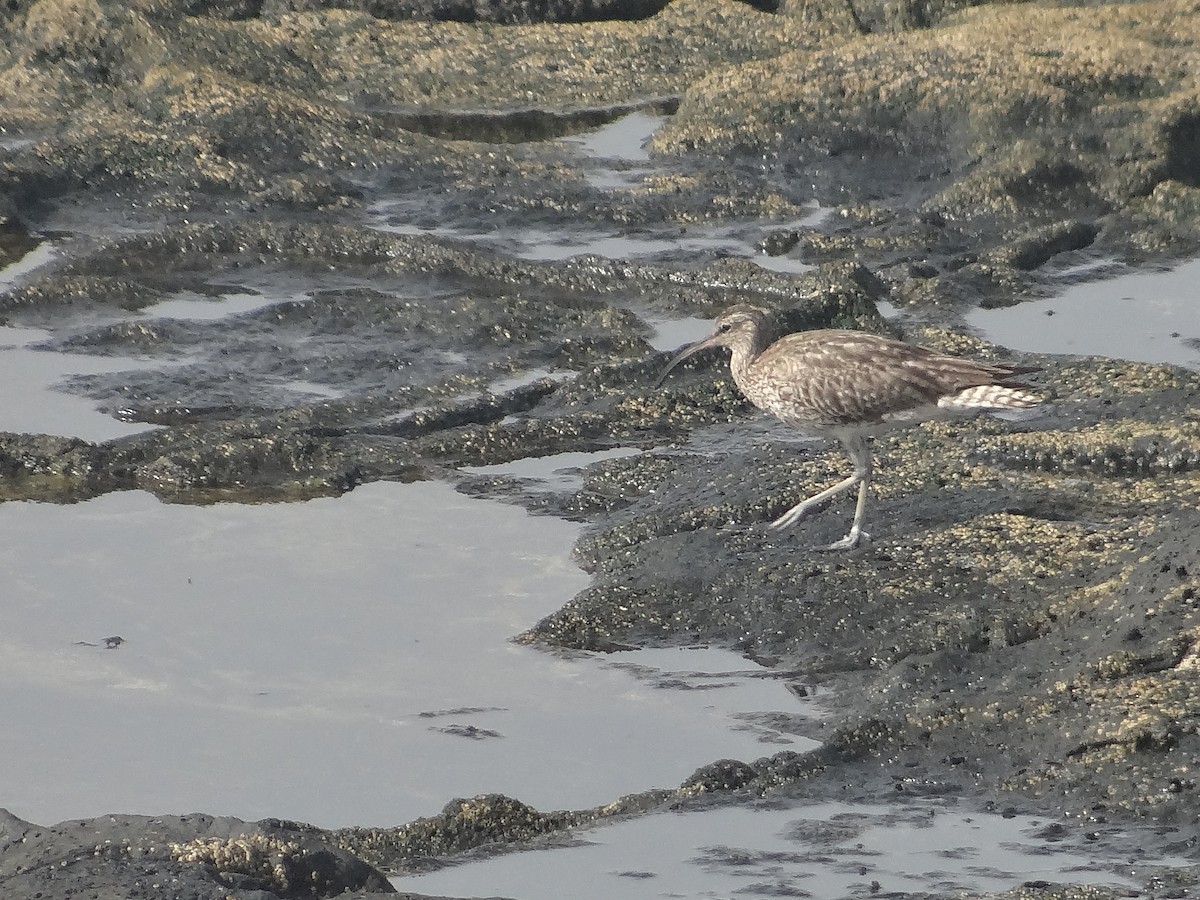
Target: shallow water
x,y
613,155
674,333
41,255
340,661
554,245
1142,316
624,139
560,472
195,306
822,850
32,398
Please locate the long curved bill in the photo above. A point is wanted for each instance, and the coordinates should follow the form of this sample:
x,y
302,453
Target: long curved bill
x,y
691,349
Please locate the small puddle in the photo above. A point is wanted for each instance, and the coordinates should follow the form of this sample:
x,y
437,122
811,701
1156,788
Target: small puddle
x,y
552,246
12,144
558,472
196,307
15,272
542,245
310,390
1148,317
545,245
671,334
366,638
503,385
806,850
624,139
622,143
35,399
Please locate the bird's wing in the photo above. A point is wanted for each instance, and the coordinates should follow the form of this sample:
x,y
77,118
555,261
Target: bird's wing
x,y
832,378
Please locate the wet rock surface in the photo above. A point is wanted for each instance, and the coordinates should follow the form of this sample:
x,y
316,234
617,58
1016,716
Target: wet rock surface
x,y
388,198
194,856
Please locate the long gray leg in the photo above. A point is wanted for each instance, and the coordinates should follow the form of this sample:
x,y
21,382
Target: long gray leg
x,y
804,507
860,456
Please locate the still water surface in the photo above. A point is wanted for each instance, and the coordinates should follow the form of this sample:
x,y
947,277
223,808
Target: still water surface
x,y
821,850
340,661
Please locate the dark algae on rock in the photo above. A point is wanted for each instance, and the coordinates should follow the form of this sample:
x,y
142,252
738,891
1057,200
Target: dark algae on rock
x,y
164,857
1025,628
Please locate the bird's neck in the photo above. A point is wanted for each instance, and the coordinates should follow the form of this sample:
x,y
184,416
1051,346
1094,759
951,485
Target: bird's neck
x,y
744,351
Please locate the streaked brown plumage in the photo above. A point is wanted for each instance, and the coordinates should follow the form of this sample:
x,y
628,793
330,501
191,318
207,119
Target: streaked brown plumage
x,y
848,385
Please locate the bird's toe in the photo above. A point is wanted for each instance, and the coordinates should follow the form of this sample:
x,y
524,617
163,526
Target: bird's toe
x,y
850,541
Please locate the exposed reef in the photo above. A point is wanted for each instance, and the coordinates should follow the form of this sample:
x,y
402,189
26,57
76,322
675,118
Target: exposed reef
x,y
393,180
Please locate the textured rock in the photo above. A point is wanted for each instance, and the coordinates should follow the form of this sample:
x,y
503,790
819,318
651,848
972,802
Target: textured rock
x,y
1025,624
194,856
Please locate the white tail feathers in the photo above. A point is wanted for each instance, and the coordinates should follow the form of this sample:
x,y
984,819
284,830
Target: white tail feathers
x,y
990,396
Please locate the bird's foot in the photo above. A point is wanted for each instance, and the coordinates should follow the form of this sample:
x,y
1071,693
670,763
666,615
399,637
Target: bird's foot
x,y
850,541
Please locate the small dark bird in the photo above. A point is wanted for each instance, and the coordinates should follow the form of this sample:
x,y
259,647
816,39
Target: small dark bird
x,y
849,385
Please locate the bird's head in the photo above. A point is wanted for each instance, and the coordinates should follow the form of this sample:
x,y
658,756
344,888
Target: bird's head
x,y
738,326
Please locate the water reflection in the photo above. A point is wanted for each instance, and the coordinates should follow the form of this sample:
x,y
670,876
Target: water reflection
x,y
1142,316
283,661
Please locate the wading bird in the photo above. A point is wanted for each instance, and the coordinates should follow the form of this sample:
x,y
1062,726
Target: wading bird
x,y
849,385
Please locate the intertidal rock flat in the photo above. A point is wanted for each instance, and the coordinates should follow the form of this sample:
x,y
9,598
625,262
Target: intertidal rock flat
x,y
397,182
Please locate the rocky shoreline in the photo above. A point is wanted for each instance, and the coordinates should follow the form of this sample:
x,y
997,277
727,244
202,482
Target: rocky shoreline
x,y
1026,623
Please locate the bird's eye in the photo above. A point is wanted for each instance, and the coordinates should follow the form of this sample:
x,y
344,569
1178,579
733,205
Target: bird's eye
x,y
724,326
